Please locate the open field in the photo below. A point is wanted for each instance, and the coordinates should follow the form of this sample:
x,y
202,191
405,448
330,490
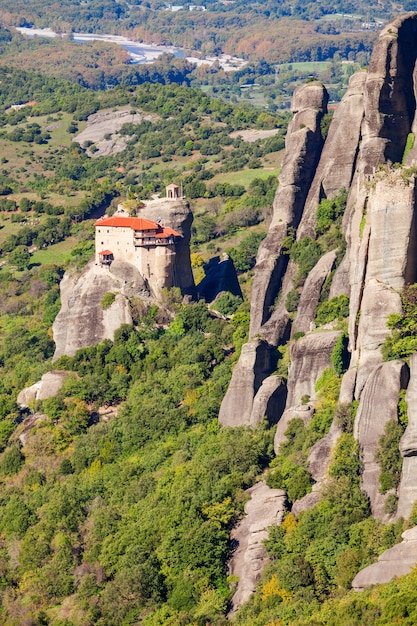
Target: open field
x,y
58,254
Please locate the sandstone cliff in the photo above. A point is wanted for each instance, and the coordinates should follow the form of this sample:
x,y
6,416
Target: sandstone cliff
x,y
368,134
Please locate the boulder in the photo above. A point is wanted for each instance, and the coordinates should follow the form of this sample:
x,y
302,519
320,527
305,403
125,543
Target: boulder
x,y
396,561
47,387
306,503
320,454
304,412
269,401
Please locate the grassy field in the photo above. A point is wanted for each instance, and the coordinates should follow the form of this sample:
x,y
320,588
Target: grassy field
x,y
307,66
58,254
243,177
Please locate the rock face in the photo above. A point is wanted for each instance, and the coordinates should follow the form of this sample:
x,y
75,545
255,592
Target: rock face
x,y
396,561
265,508
47,387
82,322
220,276
178,215
407,493
310,356
378,405
254,365
269,401
307,307
367,135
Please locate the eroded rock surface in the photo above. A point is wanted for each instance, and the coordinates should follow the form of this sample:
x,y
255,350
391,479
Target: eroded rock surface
x,y
252,368
307,307
367,135
396,561
47,387
407,493
265,508
269,401
377,406
310,355
82,322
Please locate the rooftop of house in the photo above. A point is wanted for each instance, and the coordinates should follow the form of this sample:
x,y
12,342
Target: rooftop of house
x,y
137,224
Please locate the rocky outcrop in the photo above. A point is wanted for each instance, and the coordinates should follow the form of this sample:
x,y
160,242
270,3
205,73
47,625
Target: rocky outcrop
x,y
303,411
307,307
389,94
384,262
220,276
396,561
407,492
310,356
303,147
47,387
368,134
265,508
82,322
269,401
178,215
254,364
338,160
377,406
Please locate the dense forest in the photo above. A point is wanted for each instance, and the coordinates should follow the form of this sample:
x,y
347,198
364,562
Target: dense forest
x,y
118,494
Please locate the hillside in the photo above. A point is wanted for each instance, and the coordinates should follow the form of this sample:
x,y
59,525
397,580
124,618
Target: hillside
x,y
124,490
284,31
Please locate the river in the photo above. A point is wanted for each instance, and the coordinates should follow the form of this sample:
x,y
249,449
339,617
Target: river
x,y
140,52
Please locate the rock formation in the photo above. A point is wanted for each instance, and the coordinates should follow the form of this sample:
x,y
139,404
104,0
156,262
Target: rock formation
x,y
82,321
367,135
220,276
265,508
396,561
47,387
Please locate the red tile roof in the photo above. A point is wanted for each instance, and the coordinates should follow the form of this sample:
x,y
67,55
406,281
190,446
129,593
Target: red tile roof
x,y
167,232
106,252
137,223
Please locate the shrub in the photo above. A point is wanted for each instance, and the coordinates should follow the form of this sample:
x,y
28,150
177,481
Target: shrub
x,y
305,252
292,300
227,304
340,356
336,308
330,211
403,340
389,457
11,461
107,300
391,503
408,146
